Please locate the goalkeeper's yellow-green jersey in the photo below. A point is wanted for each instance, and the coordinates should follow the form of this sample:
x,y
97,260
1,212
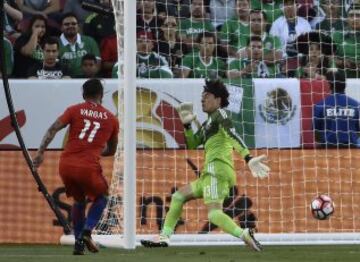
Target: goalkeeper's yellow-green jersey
x,y
219,137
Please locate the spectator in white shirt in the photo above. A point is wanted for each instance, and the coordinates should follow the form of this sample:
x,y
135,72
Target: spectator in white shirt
x,y
289,26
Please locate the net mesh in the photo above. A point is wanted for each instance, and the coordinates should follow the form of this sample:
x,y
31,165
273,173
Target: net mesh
x,y
112,218
174,39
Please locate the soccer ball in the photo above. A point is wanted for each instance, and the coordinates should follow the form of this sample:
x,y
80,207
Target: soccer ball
x,y
322,207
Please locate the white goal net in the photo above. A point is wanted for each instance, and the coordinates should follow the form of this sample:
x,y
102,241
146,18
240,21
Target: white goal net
x,y
274,57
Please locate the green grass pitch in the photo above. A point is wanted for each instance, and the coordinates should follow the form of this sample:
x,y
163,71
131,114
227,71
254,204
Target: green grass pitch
x,y
42,253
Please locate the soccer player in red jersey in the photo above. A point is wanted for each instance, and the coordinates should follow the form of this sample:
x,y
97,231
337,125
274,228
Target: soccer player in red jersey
x,y
93,133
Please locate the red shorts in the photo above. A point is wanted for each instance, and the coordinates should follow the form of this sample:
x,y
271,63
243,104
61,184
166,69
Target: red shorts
x,y
82,182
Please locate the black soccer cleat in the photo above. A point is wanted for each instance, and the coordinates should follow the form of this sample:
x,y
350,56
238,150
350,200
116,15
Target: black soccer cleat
x,y
150,244
79,248
159,241
89,242
249,239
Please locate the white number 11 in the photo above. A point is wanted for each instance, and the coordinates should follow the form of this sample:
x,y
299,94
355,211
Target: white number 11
x,y
87,127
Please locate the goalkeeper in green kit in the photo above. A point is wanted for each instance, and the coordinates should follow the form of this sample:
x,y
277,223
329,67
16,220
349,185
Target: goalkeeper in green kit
x,y
219,138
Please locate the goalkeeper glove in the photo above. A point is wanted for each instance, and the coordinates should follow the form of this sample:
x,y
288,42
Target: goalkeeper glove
x,y
186,113
257,168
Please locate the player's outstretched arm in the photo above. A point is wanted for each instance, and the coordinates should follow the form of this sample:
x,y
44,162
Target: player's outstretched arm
x,y
48,137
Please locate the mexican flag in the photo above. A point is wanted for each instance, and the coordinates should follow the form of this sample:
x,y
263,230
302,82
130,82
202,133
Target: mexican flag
x,y
269,114
277,117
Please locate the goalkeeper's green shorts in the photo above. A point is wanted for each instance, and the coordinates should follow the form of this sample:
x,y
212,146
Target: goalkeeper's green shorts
x,y
214,183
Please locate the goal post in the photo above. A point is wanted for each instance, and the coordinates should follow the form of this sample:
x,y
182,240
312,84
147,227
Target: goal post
x,y
129,126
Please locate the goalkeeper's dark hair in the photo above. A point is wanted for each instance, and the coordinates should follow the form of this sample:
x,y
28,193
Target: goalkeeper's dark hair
x,y
218,89
337,81
93,88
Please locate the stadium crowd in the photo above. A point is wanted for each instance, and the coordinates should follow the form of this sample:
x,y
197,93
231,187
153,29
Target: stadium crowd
x,y
227,39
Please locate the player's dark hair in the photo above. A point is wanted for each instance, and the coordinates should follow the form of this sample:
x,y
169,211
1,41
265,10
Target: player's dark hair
x,y
218,89
35,18
254,38
93,88
68,14
259,11
337,81
88,56
51,40
206,34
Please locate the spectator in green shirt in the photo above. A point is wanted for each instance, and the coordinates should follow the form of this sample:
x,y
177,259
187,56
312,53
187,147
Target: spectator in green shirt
x,y
234,29
150,64
272,8
254,65
348,45
198,23
203,64
271,44
73,45
329,17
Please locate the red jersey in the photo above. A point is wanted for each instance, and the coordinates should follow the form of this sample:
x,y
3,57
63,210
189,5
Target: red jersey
x,y
91,126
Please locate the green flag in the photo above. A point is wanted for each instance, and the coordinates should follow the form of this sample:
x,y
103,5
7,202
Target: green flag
x,y
243,116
